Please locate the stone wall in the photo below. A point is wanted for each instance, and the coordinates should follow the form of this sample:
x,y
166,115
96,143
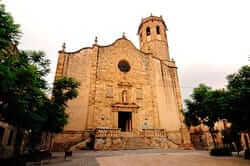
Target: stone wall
x,y
117,143
7,139
67,139
78,66
149,90
137,79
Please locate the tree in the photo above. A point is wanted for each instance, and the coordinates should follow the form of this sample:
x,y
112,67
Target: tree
x,y
23,99
238,100
204,107
64,89
9,31
22,93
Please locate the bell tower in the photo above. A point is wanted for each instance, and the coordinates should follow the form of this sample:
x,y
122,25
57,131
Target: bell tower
x,y
153,37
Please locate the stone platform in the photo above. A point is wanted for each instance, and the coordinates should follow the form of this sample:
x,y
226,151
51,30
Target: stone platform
x,y
115,139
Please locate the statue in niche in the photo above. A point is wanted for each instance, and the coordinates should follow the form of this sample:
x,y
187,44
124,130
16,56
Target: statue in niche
x,y
124,96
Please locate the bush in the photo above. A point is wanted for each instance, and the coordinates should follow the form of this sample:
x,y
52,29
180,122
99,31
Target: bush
x,y
247,154
221,152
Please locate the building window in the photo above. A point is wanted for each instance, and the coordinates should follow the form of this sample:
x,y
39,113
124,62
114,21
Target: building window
x,y
1,134
124,66
10,137
157,30
148,31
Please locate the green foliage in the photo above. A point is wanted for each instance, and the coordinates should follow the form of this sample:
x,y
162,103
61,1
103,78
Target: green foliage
x,y
238,99
9,31
22,92
208,106
195,107
64,89
22,88
23,101
204,106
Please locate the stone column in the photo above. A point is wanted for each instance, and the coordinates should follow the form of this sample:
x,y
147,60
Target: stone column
x,y
130,125
134,120
115,119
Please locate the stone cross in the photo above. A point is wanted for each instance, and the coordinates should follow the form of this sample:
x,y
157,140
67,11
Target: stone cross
x,y
63,46
96,40
123,35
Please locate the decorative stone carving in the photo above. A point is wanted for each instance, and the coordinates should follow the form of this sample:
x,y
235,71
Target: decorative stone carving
x,y
124,84
124,96
109,91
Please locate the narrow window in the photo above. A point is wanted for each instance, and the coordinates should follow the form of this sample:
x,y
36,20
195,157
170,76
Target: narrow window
x,y
148,31
157,30
10,137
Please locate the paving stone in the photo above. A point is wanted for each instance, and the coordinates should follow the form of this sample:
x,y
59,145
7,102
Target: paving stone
x,y
147,157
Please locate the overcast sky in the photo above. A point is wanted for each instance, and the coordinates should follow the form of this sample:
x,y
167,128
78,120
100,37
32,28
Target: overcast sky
x,y
209,39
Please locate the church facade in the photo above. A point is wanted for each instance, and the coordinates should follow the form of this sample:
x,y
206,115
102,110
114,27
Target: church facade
x,y
126,94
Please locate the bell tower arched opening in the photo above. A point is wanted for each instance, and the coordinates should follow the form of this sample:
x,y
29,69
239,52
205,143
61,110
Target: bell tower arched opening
x,y
153,37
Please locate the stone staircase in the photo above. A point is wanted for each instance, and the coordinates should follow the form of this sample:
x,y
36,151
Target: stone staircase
x,y
135,143
114,139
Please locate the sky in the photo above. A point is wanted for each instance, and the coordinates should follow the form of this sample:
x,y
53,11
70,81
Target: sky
x,y
208,39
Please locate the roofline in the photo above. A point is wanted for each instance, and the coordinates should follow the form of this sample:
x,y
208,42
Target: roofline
x,y
128,41
77,51
151,18
103,46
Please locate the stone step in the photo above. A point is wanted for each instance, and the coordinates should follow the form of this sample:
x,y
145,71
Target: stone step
x,y
186,147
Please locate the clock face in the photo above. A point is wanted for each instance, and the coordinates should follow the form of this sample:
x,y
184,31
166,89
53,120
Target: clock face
x,y
124,66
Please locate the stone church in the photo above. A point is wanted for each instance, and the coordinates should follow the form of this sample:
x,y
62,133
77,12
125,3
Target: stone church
x,y
129,98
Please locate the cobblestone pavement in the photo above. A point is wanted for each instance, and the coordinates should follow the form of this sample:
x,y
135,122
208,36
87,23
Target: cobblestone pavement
x,y
149,157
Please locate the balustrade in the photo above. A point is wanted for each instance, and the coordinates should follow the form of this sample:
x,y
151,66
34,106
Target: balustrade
x,y
153,133
116,132
107,132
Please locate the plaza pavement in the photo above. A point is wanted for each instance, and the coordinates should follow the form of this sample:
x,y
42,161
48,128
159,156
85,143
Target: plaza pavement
x,y
147,157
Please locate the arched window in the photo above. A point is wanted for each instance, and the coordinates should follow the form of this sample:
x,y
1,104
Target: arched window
x,y
157,30
148,31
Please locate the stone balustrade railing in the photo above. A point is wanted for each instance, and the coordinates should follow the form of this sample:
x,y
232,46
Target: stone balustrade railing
x,y
108,132
153,133
116,132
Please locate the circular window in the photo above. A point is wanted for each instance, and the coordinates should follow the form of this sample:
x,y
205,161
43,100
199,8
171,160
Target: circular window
x,y
124,66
